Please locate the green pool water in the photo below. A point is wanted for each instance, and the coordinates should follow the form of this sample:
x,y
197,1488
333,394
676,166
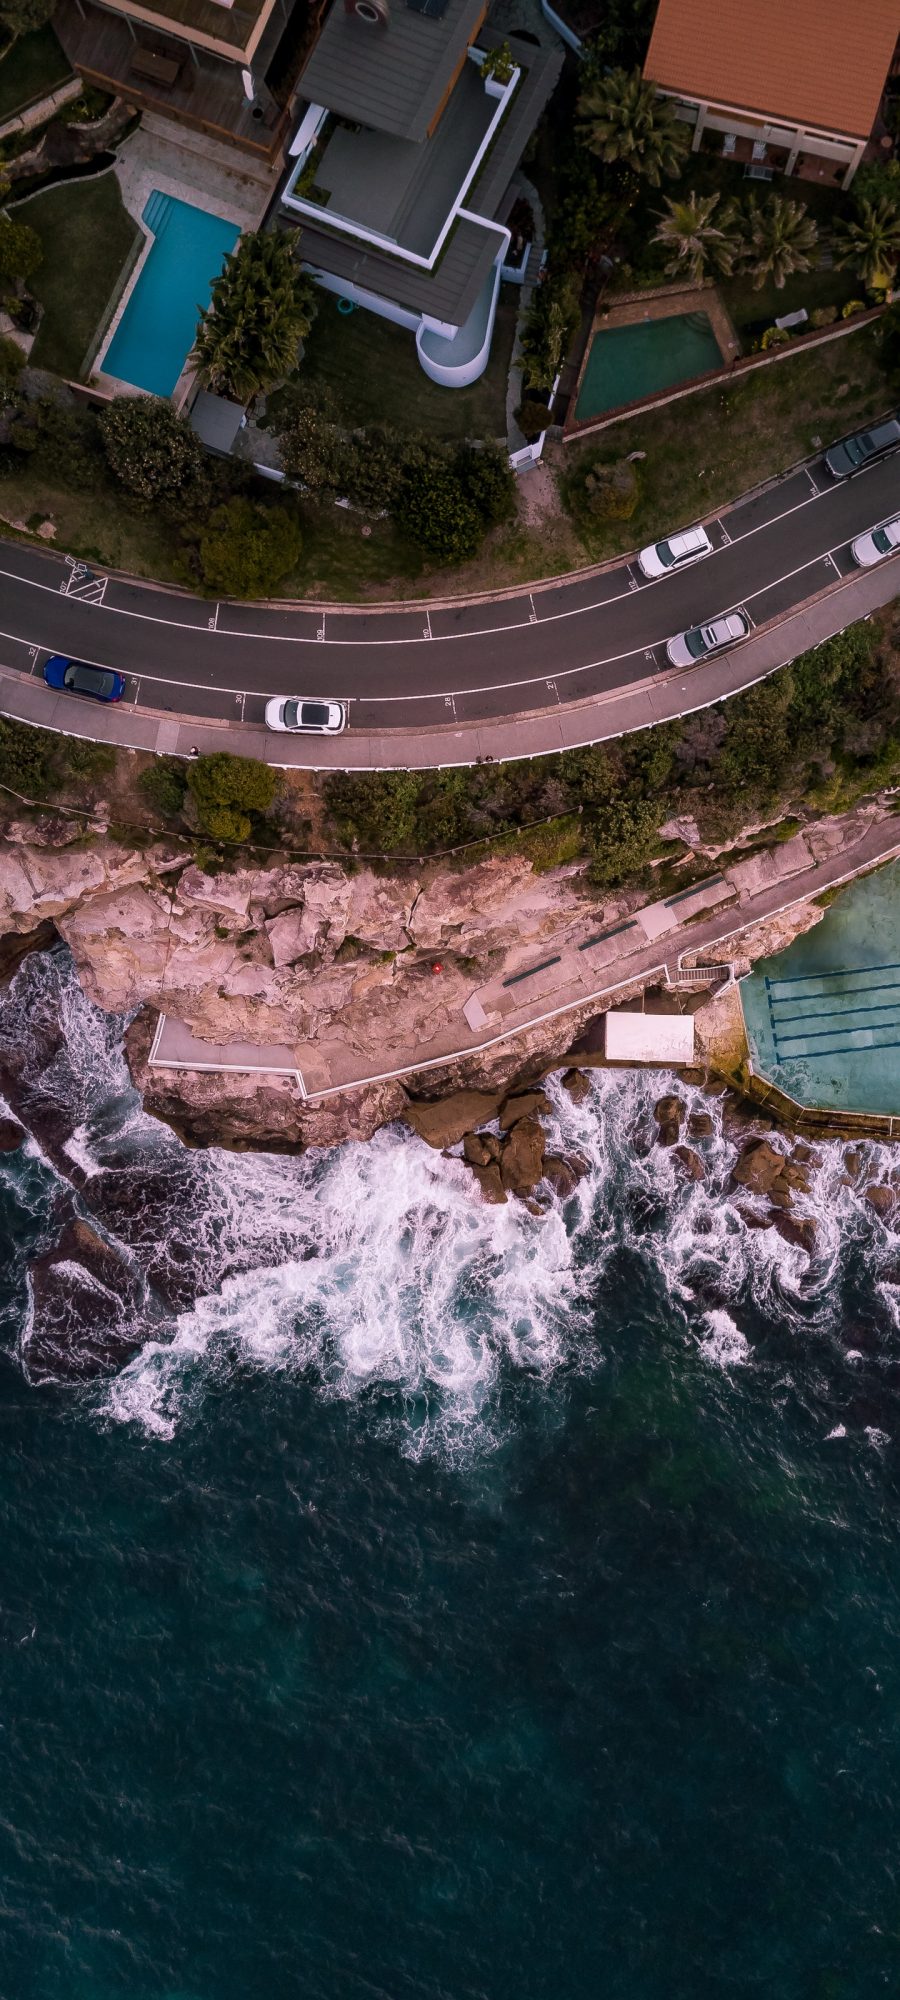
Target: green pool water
x,y
823,1017
627,362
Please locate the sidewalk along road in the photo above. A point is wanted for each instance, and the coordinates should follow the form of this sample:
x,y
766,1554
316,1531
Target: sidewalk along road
x,y
508,675
321,1073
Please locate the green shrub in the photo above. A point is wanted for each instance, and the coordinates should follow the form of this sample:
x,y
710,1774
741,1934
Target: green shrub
x,y
486,478
164,783
533,417
232,786
249,548
27,758
12,362
21,250
611,492
149,448
435,511
86,760
823,316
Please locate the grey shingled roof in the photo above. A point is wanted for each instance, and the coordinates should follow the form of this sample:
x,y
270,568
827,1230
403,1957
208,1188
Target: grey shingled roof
x,y
540,70
448,292
392,79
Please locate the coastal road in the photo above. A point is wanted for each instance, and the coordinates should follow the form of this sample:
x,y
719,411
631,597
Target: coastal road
x,y
442,670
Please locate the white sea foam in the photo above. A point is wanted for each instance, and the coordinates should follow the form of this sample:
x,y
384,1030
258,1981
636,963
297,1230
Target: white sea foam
x,y
377,1268
723,1342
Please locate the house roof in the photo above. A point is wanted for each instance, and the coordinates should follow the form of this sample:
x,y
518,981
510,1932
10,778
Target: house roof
x,y
810,62
393,79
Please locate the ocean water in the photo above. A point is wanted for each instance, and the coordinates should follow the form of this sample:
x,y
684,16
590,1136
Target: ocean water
x,y
443,1603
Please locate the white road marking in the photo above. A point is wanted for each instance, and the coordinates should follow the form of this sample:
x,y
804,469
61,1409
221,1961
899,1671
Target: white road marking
x,y
724,531
531,680
487,631
213,621
427,633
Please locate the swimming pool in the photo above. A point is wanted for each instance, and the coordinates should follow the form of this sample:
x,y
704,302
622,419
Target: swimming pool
x,y
823,1017
156,331
628,362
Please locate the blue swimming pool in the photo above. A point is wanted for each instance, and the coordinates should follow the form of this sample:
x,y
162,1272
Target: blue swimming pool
x,y
156,332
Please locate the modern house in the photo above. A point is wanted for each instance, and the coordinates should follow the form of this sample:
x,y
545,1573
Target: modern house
x,y
403,162
204,63
793,86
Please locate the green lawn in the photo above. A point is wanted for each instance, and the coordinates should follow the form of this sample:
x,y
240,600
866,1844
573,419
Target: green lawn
x,y
88,239
32,67
372,369
709,448
809,289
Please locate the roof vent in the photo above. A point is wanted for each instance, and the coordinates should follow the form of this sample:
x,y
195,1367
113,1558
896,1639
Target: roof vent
x,y
373,13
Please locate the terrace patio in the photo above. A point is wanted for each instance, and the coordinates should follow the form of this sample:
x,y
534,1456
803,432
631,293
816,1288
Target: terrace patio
x,y
198,89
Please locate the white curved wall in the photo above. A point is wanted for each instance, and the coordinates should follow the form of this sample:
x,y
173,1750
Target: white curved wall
x,y
472,343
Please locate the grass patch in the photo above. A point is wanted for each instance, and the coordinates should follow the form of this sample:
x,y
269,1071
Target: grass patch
x,y
709,448
340,563
88,238
373,370
31,68
810,289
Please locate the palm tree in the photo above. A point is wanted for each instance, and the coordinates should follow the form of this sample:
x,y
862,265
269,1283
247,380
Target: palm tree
x,y
869,243
261,308
623,119
698,244
779,238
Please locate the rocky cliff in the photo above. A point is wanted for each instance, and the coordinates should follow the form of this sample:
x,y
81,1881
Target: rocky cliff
x,y
350,962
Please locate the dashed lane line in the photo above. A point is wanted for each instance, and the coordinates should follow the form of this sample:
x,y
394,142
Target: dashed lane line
x,y
443,638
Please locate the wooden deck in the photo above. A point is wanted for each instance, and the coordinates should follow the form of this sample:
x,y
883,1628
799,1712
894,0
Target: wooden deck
x,y
206,95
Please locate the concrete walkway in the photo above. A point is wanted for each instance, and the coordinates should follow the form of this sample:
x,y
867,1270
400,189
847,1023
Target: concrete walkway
x,y
762,885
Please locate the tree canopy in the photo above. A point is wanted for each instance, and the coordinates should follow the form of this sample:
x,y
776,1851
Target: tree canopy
x,y
260,309
623,119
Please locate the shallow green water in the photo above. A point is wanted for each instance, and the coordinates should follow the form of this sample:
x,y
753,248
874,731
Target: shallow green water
x,y
823,1016
628,362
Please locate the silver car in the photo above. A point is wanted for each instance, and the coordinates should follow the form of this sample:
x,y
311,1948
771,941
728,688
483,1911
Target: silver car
x,y
879,542
675,553
322,718
697,644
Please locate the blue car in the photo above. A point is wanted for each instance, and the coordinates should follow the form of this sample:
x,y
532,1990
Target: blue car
x,y
77,678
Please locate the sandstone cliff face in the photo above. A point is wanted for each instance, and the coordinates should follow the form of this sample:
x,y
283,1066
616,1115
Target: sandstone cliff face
x,y
289,954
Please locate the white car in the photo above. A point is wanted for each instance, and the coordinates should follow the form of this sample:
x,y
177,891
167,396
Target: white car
x,y
676,553
689,647
879,542
323,718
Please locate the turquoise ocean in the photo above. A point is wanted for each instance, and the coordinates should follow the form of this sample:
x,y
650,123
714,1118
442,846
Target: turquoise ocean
x,y
440,1603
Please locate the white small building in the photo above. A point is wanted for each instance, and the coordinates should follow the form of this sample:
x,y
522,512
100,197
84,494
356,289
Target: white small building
x,y
667,1039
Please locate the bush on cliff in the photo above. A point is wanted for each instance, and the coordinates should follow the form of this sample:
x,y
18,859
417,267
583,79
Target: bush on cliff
x,y
227,790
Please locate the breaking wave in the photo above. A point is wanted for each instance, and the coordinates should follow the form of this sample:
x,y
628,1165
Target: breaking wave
x,y
377,1273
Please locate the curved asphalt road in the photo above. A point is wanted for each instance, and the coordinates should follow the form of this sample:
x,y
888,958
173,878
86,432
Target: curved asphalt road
x,y
423,665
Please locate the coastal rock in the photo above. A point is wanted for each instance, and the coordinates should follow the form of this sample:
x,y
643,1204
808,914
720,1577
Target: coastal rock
x,y
490,1182
529,1104
753,1218
759,1166
475,1151
521,1161
668,1110
12,1135
798,1230
853,1160
577,1084
443,1121
882,1199
700,1125
562,1173
690,1163
86,1309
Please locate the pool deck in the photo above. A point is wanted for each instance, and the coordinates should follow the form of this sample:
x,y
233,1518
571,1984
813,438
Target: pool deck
x,y
196,170
641,308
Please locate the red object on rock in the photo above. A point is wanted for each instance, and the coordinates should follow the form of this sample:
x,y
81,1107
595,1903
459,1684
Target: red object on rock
x,y
437,966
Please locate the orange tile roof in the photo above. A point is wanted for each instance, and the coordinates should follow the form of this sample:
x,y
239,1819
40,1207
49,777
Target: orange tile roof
x,y
811,62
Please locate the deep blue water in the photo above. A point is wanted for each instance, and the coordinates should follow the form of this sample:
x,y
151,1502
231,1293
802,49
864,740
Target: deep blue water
x,y
482,1608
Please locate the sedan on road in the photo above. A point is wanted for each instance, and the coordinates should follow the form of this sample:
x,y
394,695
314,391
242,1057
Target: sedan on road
x,y
101,683
689,647
323,718
879,542
663,557
864,448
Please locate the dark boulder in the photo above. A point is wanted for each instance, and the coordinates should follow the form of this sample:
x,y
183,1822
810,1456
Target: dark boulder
x,y
12,1135
690,1163
529,1104
882,1199
490,1183
799,1230
89,1313
759,1167
577,1084
522,1159
562,1173
700,1125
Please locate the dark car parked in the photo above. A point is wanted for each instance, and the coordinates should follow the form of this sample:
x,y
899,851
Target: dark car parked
x,y
101,683
863,448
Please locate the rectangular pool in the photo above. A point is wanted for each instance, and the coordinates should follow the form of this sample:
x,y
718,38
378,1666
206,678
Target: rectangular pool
x,y
628,362
823,1017
156,331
